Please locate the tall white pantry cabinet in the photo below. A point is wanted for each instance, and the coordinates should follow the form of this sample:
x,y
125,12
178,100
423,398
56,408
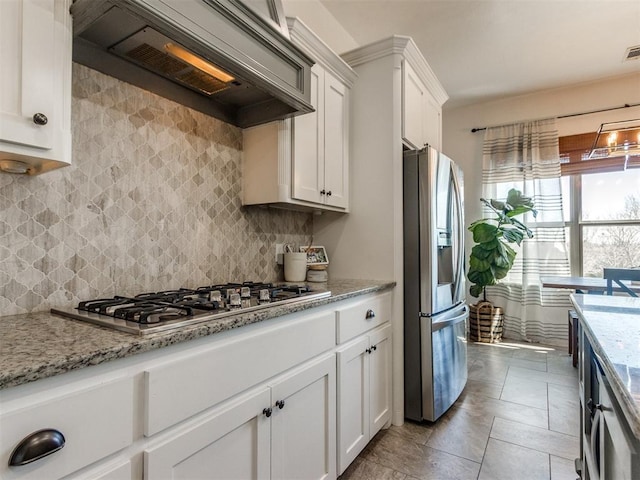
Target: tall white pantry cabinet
x,y
396,104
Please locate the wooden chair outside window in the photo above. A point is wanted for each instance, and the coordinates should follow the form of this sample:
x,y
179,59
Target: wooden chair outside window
x,y
618,276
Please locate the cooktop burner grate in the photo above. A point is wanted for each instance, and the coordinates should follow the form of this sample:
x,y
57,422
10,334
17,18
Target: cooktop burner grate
x,y
171,309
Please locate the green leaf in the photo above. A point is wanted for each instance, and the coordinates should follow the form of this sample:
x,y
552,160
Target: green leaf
x,y
522,227
500,273
501,260
476,290
484,232
512,235
478,264
499,205
481,277
516,199
479,251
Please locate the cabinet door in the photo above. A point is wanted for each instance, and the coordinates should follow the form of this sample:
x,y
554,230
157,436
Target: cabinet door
x,y
230,443
353,401
95,420
380,378
121,470
413,103
308,145
619,451
432,122
27,79
336,144
303,423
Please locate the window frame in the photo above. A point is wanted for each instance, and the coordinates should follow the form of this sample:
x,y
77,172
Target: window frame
x,y
576,224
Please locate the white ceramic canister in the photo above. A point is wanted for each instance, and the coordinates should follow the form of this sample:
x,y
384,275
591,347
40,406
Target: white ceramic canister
x,y
295,266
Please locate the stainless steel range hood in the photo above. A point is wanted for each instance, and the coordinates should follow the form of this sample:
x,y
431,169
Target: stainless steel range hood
x,y
215,56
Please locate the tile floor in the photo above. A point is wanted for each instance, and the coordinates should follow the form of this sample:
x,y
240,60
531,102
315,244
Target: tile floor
x,y
516,419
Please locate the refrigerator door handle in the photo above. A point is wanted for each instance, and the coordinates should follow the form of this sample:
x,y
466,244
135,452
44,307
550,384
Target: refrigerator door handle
x,y
460,240
435,326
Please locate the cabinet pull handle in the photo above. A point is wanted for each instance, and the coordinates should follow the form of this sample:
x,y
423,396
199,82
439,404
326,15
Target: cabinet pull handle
x,y
368,350
267,412
323,192
370,314
40,119
592,408
375,347
35,446
280,404
329,193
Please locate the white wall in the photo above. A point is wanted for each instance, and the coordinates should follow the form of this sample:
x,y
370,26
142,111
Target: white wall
x,y
317,18
466,147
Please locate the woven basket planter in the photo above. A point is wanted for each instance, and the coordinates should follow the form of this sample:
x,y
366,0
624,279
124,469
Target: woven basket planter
x,y
485,323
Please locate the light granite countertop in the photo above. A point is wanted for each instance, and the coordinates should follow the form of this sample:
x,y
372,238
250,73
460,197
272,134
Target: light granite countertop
x,y
41,345
612,325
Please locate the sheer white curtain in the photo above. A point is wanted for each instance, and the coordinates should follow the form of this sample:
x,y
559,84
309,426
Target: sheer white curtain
x,y
525,156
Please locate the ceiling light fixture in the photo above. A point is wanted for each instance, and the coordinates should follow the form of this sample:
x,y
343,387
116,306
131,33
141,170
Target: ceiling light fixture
x,y
617,139
198,62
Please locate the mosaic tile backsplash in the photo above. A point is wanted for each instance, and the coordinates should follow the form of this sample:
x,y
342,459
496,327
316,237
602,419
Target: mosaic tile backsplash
x,y
152,201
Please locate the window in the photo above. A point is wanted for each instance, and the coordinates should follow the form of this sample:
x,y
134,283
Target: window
x,y
601,210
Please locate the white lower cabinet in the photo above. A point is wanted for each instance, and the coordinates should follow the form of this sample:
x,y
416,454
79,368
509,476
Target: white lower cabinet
x,y
119,470
284,430
364,392
94,419
232,442
295,397
303,423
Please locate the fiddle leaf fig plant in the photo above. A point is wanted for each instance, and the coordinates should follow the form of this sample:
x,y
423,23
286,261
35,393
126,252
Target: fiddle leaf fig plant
x,y
492,257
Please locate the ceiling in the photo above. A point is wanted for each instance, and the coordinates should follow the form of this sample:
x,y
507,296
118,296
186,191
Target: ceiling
x,y
486,49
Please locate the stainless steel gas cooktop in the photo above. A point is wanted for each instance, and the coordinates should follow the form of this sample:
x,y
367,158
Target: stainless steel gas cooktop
x,y
167,310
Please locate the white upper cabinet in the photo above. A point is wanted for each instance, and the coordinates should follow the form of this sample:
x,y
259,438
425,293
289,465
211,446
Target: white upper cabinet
x,y
421,107
35,85
303,163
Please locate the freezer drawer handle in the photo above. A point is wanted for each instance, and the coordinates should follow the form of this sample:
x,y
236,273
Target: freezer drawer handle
x,y
447,323
370,314
35,446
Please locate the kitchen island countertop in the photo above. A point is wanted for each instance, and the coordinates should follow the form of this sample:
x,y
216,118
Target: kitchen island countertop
x,y
612,325
40,345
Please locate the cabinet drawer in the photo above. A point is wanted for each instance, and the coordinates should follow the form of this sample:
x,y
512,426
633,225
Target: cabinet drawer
x,y
95,423
362,316
181,388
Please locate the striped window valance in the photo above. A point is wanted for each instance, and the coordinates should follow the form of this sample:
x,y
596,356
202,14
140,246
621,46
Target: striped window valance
x,y
520,152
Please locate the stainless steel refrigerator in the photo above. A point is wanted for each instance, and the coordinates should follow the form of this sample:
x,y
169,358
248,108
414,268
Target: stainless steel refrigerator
x,y
435,313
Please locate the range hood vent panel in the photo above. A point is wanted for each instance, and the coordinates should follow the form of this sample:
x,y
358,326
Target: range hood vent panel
x,y
145,49
127,38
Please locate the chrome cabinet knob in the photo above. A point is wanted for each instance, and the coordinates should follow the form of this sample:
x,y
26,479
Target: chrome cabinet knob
x,y
40,119
370,314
